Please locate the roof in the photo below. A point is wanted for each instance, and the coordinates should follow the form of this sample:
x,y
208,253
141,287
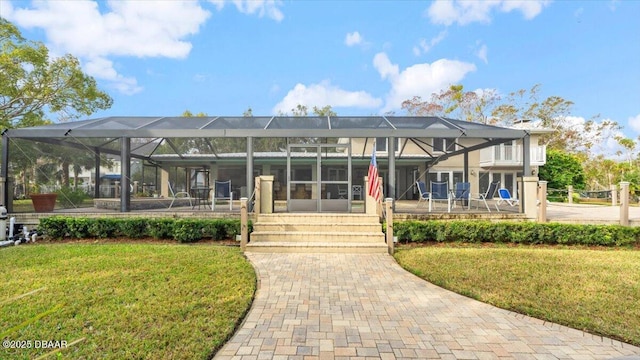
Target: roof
x,y
148,133
267,126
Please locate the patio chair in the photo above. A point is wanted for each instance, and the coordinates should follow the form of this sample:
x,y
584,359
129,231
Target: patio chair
x,y
462,194
343,192
222,191
504,196
439,192
178,195
424,194
356,190
489,195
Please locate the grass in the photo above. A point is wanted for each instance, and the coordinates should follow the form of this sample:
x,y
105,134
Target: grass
x,y
597,291
142,301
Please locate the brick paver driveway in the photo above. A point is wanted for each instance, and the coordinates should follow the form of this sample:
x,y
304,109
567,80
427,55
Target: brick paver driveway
x,y
361,306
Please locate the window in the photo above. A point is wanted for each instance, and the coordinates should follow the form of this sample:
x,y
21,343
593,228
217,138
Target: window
x,y
382,145
444,144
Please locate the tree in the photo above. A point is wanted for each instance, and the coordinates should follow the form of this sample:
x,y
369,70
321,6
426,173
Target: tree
x,y
554,113
562,169
299,110
629,145
324,111
33,84
454,102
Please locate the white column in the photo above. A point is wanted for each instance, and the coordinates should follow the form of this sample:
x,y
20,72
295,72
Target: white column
x,y
624,203
542,198
528,202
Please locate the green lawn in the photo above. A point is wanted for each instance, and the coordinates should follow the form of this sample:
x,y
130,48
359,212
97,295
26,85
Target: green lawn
x,y
123,301
594,290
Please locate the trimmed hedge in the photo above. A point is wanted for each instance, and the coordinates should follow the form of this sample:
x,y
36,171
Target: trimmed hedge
x,y
516,232
182,230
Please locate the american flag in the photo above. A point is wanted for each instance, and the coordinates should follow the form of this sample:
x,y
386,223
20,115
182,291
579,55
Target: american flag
x,y
374,180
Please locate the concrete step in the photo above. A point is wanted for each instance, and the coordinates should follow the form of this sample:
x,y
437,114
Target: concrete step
x,y
317,232
317,236
315,247
317,227
317,218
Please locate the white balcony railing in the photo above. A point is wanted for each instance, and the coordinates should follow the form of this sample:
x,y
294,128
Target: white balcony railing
x,y
511,155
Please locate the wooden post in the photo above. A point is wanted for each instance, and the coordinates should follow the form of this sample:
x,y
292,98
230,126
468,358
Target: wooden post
x,y
614,195
542,200
244,223
257,199
570,194
624,203
379,203
389,209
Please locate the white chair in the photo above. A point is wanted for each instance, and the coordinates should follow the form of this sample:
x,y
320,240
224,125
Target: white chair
x,y
356,190
489,195
178,195
424,194
342,192
222,191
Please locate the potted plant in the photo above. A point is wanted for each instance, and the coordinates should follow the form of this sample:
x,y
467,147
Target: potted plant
x,y
44,202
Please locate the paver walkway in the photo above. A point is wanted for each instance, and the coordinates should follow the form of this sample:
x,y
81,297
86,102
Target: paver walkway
x,y
365,306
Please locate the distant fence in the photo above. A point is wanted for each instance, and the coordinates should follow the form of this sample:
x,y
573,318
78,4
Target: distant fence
x,y
546,195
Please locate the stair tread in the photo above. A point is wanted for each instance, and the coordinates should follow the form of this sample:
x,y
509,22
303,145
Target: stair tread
x,y
320,232
306,223
317,244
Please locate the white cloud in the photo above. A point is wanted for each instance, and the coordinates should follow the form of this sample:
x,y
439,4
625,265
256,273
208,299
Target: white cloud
x,y
448,12
323,94
419,79
613,5
384,66
482,53
106,71
269,8
634,122
353,39
424,46
136,28
127,29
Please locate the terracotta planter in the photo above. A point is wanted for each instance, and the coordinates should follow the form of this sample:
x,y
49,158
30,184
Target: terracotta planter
x,y
43,202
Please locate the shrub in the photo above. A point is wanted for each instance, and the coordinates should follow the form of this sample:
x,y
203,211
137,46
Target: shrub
x,y
78,227
103,228
182,230
54,227
186,231
134,228
69,198
160,228
514,232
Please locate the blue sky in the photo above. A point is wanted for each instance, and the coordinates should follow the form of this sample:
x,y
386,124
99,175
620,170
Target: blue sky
x,y
361,57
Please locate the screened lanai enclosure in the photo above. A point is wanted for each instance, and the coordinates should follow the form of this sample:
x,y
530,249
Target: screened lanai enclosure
x,y
317,163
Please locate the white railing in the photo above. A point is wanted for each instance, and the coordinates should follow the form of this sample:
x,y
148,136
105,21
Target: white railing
x,y
511,155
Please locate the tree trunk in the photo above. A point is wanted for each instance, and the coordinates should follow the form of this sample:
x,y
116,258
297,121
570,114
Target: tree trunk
x,y
76,173
65,173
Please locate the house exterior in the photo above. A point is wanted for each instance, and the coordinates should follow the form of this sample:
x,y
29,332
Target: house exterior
x,y
496,163
321,159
